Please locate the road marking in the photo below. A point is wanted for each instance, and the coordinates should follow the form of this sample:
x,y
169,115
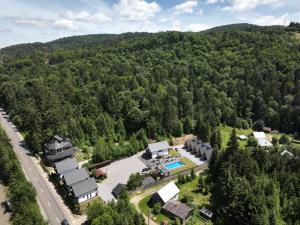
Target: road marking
x,y
42,190
30,168
25,173
57,219
49,203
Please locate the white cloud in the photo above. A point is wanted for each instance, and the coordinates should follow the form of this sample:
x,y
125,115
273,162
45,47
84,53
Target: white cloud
x,y
246,5
84,16
136,10
272,20
195,27
5,30
212,1
64,24
186,7
31,21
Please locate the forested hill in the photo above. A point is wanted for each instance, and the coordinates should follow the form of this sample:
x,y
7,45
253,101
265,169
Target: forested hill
x,y
155,84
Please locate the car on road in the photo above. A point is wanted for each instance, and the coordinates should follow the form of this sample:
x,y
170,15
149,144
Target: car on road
x,y
65,222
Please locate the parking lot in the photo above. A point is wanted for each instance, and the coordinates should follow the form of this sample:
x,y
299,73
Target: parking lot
x,y
119,172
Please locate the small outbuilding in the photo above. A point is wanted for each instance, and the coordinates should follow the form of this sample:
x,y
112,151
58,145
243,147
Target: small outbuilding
x,y
158,149
176,209
148,182
117,191
242,137
206,213
99,173
287,153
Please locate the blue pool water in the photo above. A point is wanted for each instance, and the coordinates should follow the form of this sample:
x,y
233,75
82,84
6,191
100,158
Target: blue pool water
x,y
174,165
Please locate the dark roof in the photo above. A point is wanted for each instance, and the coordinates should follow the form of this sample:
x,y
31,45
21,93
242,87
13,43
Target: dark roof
x,y
66,165
84,187
75,176
148,181
58,142
206,212
177,209
60,155
118,189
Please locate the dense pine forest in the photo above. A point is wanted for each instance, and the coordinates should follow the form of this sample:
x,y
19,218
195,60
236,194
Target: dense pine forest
x,y
100,90
123,88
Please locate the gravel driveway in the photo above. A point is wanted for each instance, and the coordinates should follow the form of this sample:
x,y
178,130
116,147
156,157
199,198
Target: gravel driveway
x,y
119,172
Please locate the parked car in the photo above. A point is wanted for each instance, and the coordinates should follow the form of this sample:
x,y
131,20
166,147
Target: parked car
x,y
65,222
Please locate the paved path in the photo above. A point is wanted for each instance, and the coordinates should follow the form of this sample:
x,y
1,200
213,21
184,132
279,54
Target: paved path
x,y
4,215
119,172
49,206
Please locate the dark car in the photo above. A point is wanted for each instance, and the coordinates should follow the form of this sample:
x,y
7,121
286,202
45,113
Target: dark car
x,y
65,222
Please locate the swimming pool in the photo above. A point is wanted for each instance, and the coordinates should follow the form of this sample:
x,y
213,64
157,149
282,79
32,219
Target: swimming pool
x,y
174,165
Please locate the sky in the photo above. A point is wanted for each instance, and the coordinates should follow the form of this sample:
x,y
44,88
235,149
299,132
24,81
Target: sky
x,y
24,21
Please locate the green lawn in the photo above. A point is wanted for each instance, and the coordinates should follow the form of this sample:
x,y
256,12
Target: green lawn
x,y
226,131
189,188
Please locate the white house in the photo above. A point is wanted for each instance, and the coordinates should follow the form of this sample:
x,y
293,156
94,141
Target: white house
x,y
261,139
158,149
167,193
85,190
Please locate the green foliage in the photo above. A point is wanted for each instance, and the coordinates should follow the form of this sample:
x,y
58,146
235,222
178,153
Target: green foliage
x,y
134,181
250,186
156,208
22,195
284,139
120,213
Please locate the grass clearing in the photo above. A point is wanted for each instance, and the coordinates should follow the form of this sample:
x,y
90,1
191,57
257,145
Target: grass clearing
x,y
226,131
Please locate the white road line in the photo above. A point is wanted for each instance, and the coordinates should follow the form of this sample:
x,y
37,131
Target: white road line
x,y
25,173
49,203
57,219
41,190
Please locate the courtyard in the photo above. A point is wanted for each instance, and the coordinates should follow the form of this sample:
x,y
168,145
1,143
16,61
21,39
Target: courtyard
x,y
119,172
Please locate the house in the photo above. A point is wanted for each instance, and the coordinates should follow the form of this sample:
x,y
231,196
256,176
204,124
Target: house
x,y
288,153
267,129
85,190
188,143
75,176
259,135
261,139
158,149
206,213
65,166
242,137
58,148
148,182
194,145
167,193
263,142
117,191
176,209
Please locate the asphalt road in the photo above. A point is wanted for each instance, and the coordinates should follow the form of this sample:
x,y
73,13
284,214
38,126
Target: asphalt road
x,y
49,206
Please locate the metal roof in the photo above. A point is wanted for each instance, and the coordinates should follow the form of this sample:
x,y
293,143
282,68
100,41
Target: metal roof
x,y
75,176
178,209
84,187
158,146
168,192
66,165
